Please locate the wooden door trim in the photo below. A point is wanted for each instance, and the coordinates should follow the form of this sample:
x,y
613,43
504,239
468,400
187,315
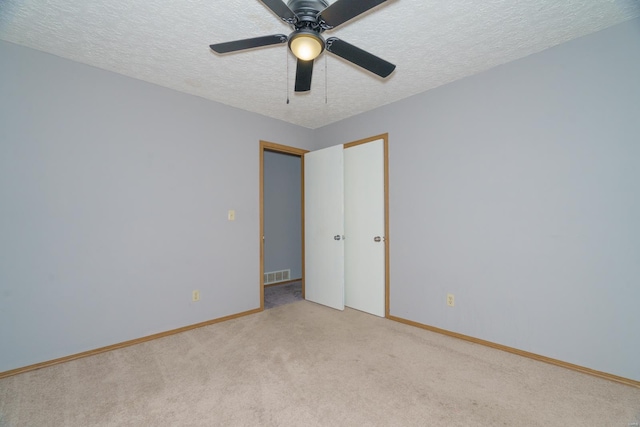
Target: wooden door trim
x,y
387,279
283,149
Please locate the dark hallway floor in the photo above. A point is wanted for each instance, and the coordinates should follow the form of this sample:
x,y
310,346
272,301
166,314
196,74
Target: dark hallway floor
x,y
287,293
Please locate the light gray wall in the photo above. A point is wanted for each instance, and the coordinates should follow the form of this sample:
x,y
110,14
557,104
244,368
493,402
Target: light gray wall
x,y
518,190
113,207
282,213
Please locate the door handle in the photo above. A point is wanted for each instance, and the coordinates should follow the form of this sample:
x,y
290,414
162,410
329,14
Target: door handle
x,y
378,239
336,237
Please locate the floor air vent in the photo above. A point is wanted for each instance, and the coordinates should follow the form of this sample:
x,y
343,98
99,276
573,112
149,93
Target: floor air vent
x,y
277,276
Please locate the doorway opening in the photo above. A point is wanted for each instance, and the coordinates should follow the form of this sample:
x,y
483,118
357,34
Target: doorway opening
x,y
281,224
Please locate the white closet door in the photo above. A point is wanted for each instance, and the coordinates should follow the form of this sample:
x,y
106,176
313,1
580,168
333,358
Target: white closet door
x,y
324,226
364,225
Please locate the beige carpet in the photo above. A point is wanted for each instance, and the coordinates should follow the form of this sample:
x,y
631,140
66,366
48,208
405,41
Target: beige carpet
x,y
302,364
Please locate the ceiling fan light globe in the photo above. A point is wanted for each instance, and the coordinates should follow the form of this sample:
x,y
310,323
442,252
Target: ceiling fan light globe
x,y
306,46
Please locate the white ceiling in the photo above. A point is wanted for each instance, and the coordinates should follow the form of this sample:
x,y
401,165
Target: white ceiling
x,y
432,42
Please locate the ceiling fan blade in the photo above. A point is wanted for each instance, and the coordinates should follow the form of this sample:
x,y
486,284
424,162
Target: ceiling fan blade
x,y
282,10
304,71
248,43
359,57
343,10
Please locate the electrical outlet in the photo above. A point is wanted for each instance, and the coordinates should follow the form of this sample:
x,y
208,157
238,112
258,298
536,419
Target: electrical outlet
x,y
231,215
195,295
450,300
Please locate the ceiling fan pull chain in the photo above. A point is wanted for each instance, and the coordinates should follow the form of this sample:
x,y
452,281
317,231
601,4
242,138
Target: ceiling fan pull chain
x,y
286,57
326,79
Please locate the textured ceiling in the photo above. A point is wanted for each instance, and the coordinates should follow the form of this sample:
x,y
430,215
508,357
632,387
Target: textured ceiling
x,y
166,42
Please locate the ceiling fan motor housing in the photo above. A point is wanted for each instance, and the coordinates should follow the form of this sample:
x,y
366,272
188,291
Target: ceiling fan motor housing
x,y
307,11
307,24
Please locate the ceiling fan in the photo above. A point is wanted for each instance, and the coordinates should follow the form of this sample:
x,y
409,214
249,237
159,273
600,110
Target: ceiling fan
x,y
309,19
